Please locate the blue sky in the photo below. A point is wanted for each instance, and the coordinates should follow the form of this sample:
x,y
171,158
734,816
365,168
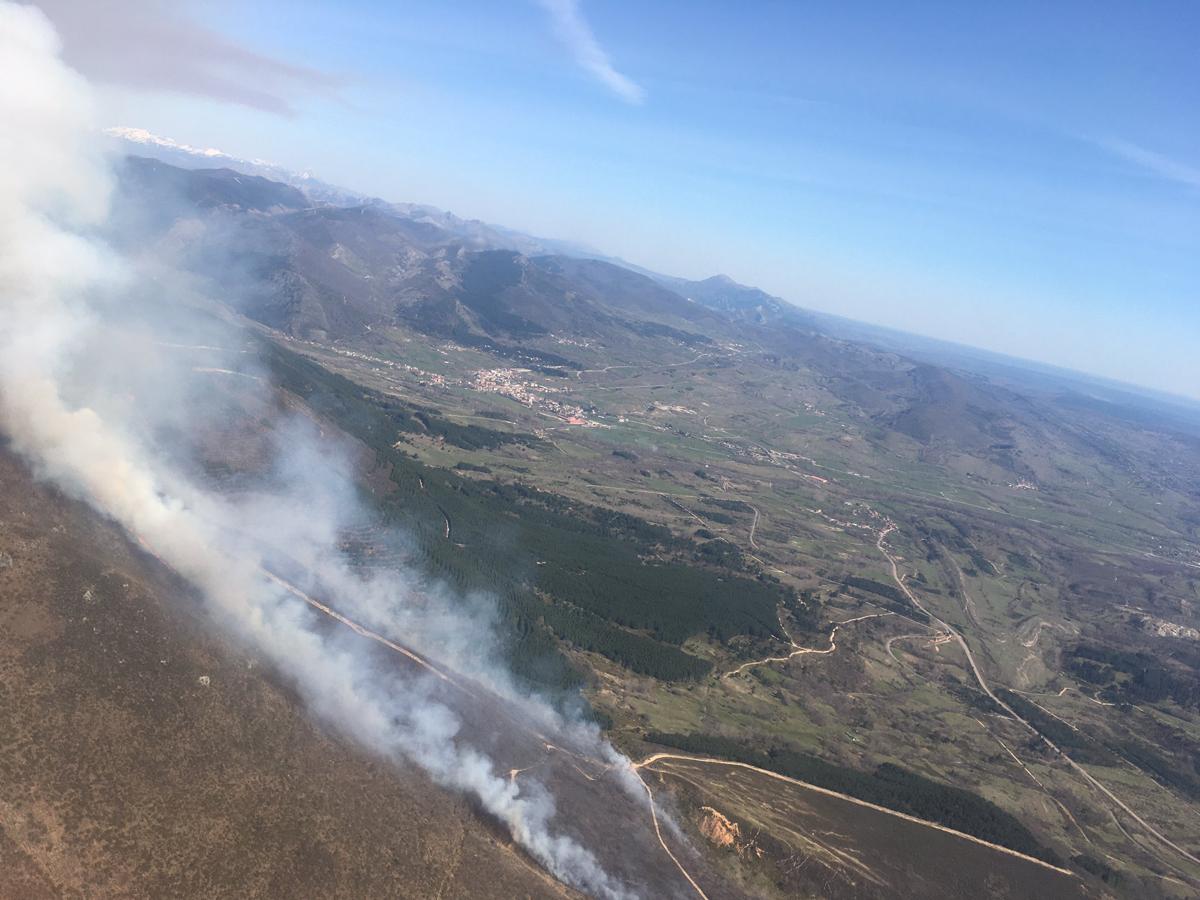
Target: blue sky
x,y
1023,176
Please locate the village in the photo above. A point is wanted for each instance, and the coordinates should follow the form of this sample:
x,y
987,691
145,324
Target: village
x,y
515,385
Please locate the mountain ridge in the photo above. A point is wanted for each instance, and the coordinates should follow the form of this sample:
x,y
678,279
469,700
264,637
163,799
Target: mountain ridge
x,y
725,293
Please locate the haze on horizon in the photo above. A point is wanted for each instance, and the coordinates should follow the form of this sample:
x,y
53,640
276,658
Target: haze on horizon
x,y
1024,179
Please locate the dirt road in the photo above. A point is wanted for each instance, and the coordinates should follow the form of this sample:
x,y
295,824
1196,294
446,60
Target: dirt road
x,y
797,650
656,757
890,527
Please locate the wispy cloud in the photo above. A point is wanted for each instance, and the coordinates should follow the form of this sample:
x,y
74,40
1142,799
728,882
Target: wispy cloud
x,y
575,33
154,45
1155,163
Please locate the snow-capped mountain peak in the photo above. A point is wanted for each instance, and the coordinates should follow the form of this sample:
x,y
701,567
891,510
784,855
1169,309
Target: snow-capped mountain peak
x,y
142,136
146,143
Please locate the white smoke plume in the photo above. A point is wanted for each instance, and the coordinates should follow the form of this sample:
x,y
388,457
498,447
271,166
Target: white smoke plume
x,y
62,408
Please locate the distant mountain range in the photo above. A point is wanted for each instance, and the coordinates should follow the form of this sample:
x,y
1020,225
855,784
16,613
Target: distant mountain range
x,y
718,292
330,272
474,233
141,142
748,304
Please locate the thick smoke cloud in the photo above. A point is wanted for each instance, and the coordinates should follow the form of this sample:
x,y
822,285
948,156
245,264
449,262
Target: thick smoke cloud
x,y
90,383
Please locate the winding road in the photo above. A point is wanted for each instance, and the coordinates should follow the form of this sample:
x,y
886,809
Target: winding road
x,y
890,527
797,650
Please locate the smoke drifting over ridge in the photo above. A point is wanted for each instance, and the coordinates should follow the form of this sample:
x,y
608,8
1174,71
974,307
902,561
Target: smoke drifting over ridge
x,y
89,383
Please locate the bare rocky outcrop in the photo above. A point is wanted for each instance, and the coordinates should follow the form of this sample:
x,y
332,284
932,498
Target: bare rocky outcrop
x,y
723,832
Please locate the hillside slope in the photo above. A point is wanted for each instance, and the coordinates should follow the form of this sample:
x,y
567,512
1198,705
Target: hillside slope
x,y
146,755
